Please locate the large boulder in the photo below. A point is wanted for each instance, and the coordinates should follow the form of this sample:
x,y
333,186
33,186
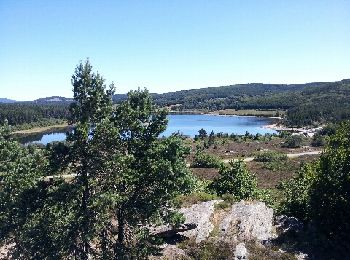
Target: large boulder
x,y
199,215
241,252
248,221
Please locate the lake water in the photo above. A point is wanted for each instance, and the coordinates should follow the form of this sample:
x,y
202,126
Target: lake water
x,y
188,125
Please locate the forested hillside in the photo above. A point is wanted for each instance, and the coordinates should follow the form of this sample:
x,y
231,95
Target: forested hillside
x,y
306,104
29,112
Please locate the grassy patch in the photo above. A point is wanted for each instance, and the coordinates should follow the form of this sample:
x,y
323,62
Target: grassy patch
x,y
250,112
193,198
207,250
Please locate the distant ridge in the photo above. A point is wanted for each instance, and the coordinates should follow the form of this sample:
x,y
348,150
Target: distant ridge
x,y
6,100
53,99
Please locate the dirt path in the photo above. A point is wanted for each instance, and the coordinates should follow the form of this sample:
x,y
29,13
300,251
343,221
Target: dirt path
x,y
289,155
248,159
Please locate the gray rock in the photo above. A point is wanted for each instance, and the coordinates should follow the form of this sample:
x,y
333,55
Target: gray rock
x,y
301,256
285,223
200,215
168,231
248,221
241,252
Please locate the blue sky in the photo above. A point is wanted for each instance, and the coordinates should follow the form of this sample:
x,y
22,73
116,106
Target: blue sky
x,y
171,45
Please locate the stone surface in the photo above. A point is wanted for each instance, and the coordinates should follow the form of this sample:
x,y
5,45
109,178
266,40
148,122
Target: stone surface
x,y
285,223
199,214
248,221
241,252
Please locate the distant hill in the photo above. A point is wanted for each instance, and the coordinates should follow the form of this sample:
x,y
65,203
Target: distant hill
x,y
6,100
53,99
232,96
306,104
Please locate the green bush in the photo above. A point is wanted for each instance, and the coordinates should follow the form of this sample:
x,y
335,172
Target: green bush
x,y
293,141
320,193
270,156
330,193
203,160
297,193
318,140
235,179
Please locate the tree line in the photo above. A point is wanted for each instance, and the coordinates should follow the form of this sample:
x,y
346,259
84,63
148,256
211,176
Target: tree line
x,y
306,104
29,112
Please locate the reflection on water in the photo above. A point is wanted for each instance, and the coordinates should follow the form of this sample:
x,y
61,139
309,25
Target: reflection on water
x,y
44,138
185,124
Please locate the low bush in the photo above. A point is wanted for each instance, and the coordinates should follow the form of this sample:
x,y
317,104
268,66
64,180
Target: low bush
x,y
203,160
293,141
320,193
236,183
270,156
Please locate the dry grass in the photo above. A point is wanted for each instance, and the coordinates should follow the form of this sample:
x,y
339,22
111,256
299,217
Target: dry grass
x,y
43,129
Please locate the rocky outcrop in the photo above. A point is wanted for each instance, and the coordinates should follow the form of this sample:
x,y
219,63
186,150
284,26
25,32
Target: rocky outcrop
x,y
241,252
199,214
248,221
245,226
285,224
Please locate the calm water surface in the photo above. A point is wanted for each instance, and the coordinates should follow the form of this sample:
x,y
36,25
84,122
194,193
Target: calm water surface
x,y
188,125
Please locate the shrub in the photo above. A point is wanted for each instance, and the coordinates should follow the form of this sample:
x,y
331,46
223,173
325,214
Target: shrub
x,y
236,180
293,141
321,192
297,193
203,160
330,194
318,140
270,156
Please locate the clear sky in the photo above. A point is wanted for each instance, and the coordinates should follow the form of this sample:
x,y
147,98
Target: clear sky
x,y
168,45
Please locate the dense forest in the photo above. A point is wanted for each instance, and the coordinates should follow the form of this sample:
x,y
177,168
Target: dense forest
x,y
306,104
29,112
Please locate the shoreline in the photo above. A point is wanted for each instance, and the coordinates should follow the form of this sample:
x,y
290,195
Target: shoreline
x,y
309,131
40,130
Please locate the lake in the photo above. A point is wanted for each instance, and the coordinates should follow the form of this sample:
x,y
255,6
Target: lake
x,y
187,125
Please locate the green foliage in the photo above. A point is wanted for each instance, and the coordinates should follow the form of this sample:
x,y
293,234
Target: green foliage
x,y
211,139
318,140
272,160
235,179
236,183
202,133
293,141
21,170
321,137
270,156
24,115
306,104
321,192
296,191
330,194
122,176
203,160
